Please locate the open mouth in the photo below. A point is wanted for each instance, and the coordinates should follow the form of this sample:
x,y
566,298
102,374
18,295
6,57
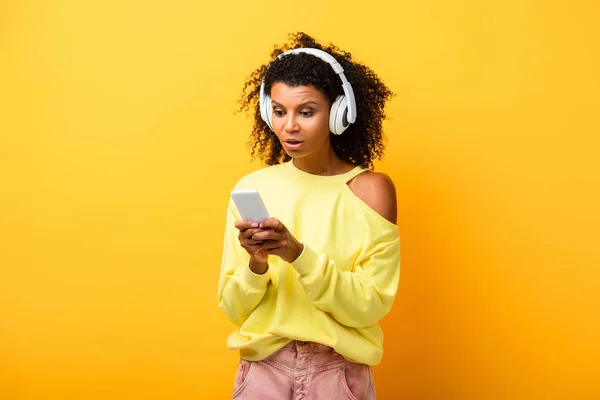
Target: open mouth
x,y
292,144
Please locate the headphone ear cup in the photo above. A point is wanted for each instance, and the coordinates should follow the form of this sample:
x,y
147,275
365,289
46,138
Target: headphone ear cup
x,y
265,110
338,115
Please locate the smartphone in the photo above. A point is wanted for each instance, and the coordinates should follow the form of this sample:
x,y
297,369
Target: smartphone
x,y
250,205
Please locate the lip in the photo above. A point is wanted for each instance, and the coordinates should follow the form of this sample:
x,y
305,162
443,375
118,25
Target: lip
x,y
292,146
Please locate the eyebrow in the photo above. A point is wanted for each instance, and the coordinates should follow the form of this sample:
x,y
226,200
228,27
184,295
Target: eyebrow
x,y
301,105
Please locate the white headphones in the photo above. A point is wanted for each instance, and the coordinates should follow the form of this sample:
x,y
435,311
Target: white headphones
x,y
343,109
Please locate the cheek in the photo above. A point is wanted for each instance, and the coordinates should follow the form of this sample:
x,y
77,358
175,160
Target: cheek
x,y
317,125
277,135
311,127
279,127
320,126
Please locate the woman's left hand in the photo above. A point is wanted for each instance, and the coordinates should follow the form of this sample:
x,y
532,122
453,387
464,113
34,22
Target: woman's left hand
x,y
277,240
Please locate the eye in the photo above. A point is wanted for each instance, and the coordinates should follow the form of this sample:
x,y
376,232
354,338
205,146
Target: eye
x,y
278,113
307,114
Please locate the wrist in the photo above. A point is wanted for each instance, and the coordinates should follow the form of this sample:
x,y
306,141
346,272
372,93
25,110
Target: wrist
x,y
296,253
258,267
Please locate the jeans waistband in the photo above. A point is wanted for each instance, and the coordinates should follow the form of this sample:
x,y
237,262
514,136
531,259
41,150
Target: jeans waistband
x,y
303,346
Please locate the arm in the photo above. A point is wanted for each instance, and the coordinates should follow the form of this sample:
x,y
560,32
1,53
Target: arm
x,y
358,298
358,295
240,290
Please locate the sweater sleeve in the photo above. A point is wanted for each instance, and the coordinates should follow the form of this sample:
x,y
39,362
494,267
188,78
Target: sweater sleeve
x,y
240,290
359,296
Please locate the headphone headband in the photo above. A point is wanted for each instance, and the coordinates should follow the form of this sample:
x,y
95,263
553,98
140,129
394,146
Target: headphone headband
x,y
338,69
343,110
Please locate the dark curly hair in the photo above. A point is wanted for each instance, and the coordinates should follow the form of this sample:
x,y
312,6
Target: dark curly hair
x,y
361,142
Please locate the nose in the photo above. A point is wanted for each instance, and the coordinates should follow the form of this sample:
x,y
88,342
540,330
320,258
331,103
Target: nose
x,y
290,123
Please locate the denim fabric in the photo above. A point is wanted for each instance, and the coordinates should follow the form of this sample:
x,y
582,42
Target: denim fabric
x,y
303,371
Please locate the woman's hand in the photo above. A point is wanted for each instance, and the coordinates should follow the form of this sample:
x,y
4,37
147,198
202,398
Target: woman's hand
x,y
258,255
277,240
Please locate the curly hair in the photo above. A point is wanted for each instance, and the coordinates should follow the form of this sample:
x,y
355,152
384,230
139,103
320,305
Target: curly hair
x,y
362,142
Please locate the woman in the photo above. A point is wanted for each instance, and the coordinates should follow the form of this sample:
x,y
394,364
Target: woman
x,y
308,286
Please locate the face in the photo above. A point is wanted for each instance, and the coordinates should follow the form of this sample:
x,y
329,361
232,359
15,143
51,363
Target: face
x,y
300,119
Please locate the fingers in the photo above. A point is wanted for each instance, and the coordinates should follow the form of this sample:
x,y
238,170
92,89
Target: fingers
x,y
260,252
242,225
260,240
272,245
247,229
250,242
248,233
272,223
268,235
253,249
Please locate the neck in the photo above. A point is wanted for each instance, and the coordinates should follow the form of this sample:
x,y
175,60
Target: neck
x,y
325,162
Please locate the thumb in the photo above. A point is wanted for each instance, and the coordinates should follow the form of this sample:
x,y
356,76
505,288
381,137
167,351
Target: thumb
x,y
261,256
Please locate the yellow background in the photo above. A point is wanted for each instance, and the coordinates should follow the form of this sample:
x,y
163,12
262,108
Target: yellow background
x,y
118,148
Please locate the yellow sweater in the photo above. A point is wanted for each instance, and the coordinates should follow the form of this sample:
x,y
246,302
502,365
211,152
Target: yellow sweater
x,y
335,292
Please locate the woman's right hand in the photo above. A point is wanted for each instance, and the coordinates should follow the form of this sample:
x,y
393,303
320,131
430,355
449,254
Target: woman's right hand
x,y
259,257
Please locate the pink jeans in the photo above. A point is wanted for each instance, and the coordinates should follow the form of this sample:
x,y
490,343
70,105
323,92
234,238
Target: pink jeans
x,y
303,371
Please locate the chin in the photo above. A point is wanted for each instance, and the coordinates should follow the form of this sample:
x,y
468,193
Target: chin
x,y
294,154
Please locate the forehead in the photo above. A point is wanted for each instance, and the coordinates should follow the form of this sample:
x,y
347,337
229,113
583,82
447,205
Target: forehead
x,y
281,92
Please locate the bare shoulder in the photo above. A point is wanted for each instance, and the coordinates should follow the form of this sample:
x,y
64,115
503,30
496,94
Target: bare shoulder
x,y
377,190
